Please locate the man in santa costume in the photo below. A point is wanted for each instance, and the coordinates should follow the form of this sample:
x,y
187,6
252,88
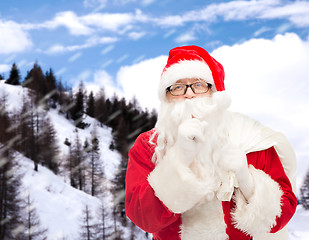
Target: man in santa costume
x,y
204,172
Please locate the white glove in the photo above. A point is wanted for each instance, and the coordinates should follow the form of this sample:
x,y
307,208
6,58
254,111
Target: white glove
x,y
234,159
190,138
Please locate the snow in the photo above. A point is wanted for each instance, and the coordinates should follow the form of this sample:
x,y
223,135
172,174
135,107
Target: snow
x,y
14,95
299,225
59,206
66,129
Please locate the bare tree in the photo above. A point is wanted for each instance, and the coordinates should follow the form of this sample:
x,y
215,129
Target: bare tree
x,y
33,228
90,229
304,192
11,220
77,165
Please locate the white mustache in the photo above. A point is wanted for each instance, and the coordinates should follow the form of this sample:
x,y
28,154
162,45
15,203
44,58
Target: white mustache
x,y
201,107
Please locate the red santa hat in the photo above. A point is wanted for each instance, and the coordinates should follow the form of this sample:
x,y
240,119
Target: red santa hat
x,y
191,62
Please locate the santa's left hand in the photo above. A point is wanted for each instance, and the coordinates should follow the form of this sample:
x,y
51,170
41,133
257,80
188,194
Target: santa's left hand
x,y
234,159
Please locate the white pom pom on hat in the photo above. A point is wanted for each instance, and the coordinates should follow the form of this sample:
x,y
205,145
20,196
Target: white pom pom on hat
x,y
191,62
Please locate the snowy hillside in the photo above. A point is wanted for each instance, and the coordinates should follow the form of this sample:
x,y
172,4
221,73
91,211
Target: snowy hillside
x,y
60,206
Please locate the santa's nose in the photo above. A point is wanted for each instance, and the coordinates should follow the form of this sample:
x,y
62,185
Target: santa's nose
x,y
189,93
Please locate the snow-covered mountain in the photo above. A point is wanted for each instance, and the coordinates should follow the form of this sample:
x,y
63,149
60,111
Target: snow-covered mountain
x,y
60,206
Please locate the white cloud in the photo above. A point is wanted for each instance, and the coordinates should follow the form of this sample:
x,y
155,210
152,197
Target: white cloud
x,y
57,48
283,28
92,22
147,2
5,68
268,79
84,76
60,71
69,20
88,24
122,58
141,80
185,37
115,22
91,42
261,31
170,21
101,79
97,4
136,35
107,63
107,49
296,12
13,38
75,56
100,4
169,33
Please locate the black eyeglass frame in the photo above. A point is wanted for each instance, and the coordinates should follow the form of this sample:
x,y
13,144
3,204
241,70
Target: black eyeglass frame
x,y
209,85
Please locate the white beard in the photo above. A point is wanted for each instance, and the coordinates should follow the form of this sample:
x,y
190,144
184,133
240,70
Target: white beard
x,y
211,111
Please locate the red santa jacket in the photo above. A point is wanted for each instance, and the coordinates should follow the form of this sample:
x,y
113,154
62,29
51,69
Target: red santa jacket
x,y
266,212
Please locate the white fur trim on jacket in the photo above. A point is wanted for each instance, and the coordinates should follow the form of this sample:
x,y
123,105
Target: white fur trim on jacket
x,y
258,214
176,185
204,221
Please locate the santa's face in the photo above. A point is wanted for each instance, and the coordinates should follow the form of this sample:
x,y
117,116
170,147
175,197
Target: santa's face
x,y
189,93
208,107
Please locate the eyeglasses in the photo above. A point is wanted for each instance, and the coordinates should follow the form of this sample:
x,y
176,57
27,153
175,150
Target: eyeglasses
x,y
181,89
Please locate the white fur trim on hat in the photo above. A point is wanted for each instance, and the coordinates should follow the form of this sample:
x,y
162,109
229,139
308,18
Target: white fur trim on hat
x,y
184,69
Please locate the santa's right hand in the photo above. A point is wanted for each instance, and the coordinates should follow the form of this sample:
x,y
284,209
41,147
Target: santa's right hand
x,y
190,137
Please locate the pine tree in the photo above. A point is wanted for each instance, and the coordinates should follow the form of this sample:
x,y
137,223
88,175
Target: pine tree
x,y
64,99
1,76
304,192
90,105
100,107
77,110
51,88
14,77
49,149
36,81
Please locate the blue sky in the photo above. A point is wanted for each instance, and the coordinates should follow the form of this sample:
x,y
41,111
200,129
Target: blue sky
x,y
122,45
78,37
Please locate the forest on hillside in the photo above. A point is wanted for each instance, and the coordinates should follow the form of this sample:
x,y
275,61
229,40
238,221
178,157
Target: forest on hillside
x,y
30,132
